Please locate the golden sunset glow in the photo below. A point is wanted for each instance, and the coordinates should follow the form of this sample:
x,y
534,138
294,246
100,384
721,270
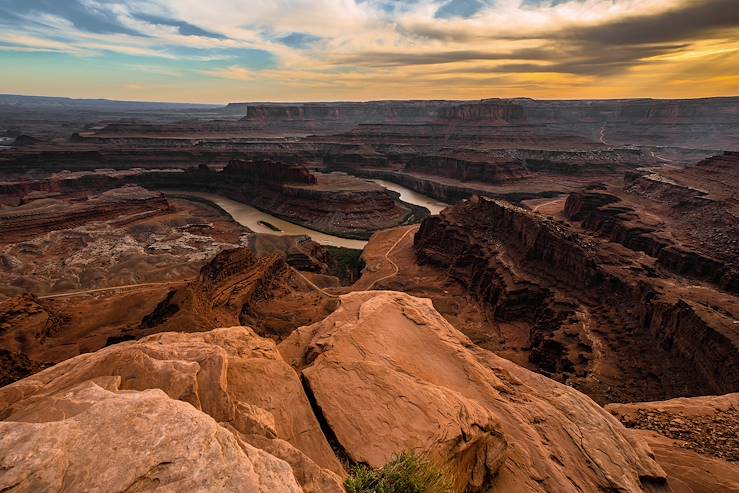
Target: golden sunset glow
x,y
232,50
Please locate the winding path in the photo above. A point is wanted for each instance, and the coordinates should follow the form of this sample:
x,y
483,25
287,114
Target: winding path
x,y
313,285
387,257
98,290
308,281
536,209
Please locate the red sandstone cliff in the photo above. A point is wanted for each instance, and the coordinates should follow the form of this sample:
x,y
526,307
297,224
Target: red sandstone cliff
x,y
587,306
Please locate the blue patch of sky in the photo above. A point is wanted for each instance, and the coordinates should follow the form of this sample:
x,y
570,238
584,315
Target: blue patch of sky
x,y
251,58
537,3
298,40
391,6
459,8
185,28
84,18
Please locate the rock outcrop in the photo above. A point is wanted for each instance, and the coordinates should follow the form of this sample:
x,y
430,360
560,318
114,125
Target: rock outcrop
x,y
24,322
387,373
223,410
179,410
227,283
41,216
151,442
236,287
696,440
589,308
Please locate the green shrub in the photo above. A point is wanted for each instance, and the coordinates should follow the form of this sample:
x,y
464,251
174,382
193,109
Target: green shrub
x,y
345,263
407,473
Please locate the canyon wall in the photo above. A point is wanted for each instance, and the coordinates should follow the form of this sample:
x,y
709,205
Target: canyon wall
x,y
697,233
25,222
348,112
583,305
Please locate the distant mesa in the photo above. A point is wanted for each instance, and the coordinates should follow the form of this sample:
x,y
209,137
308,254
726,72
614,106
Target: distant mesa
x,y
25,140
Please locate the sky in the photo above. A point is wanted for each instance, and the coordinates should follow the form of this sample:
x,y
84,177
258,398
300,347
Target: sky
x,y
217,51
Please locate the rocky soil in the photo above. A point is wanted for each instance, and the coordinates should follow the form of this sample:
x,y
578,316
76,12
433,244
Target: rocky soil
x,y
706,425
694,439
120,240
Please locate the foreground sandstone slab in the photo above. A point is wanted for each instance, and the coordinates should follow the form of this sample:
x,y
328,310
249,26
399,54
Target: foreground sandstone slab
x,y
89,438
388,373
227,376
385,373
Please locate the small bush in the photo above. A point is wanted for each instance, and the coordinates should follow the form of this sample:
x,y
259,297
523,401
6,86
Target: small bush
x,y
407,473
345,263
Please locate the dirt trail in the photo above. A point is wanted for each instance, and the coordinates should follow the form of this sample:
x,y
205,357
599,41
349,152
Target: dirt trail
x,y
387,257
308,281
313,285
98,290
536,209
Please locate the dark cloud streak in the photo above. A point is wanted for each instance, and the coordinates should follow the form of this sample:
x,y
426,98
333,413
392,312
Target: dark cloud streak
x,y
599,50
398,59
695,21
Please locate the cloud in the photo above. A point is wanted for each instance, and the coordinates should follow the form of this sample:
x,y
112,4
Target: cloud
x,y
403,58
427,46
233,72
684,22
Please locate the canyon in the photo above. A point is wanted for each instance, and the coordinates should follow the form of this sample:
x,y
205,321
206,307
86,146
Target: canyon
x,y
535,295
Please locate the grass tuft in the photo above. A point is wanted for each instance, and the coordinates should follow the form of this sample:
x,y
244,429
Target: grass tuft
x,y
406,473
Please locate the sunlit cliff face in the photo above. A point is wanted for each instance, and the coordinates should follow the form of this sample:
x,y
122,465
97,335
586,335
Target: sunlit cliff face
x,y
227,50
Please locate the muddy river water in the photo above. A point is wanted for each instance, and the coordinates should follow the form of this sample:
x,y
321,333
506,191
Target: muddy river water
x,y
253,218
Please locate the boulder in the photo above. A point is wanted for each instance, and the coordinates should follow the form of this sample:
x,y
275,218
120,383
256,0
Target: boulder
x,y
230,376
387,373
93,437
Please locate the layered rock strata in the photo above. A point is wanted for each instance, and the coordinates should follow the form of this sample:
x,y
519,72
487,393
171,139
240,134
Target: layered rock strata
x,y
41,216
590,309
335,203
688,219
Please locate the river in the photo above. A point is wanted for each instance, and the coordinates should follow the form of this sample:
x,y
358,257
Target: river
x,y
412,197
250,217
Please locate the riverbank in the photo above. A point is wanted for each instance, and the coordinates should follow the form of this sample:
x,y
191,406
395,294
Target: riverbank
x,y
250,217
257,220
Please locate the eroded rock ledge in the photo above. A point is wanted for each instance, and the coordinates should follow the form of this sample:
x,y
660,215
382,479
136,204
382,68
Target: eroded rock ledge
x,y
227,410
589,305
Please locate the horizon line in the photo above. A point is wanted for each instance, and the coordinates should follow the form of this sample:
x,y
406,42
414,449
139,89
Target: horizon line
x,y
340,101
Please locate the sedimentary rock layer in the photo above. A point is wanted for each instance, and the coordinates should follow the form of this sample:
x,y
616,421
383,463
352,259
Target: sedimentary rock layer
x,y
687,219
20,223
590,308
